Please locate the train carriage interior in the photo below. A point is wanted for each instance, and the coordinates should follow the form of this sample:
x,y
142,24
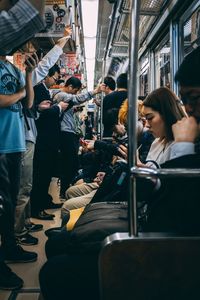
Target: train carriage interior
x,y
118,170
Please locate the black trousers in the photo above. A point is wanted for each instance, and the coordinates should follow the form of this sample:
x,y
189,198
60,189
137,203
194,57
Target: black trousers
x,y
70,276
10,168
44,164
69,158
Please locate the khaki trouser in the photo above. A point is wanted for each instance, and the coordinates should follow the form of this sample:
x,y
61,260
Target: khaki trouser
x,y
79,196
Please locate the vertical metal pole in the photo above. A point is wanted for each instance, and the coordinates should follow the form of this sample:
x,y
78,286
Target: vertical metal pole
x,y
132,114
174,38
101,111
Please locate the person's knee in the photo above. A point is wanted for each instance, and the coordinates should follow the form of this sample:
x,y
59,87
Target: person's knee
x,y
70,192
74,203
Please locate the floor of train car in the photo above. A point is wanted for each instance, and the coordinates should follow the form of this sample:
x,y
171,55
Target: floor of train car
x,y
29,271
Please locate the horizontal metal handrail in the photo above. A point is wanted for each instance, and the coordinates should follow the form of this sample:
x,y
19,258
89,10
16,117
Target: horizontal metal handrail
x,y
164,173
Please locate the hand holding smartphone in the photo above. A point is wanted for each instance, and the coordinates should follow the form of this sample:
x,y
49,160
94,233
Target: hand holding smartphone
x,y
83,142
34,57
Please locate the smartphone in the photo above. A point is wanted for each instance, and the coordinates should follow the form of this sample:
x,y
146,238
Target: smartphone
x,y
83,142
39,53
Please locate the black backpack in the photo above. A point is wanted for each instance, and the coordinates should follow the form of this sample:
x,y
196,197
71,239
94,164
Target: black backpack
x,y
114,187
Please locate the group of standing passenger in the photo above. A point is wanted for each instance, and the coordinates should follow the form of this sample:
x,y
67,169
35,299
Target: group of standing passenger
x,y
16,91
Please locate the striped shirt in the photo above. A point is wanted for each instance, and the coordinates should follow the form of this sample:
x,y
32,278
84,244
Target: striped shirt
x,y
18,25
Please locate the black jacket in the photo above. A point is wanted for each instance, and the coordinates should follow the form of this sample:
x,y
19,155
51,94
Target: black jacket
x,y
176,206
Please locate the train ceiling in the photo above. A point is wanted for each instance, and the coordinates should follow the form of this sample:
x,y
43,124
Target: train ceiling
x,y
114,29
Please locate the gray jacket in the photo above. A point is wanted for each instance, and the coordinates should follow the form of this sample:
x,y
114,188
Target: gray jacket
x,y
68,123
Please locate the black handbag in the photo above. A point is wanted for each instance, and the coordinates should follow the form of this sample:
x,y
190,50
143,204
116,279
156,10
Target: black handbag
x,y
97,221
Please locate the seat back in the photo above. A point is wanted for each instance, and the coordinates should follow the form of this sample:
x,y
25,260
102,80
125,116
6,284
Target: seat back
x,y
148,268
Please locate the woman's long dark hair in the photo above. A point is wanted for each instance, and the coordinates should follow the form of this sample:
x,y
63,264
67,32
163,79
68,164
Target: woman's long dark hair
x,y
164,101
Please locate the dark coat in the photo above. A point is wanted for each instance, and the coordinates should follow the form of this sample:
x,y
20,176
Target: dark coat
x,y
176,206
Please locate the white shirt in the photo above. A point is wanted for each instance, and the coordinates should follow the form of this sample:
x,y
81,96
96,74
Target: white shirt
x,y
45,64
39,74
159,152
182,148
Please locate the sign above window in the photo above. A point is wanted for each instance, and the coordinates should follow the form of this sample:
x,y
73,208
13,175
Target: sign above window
x,y
56,17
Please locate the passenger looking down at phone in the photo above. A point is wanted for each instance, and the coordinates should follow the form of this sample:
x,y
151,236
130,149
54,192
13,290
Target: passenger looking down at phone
x,y
68,137
81,193
176,207
47,146
161,109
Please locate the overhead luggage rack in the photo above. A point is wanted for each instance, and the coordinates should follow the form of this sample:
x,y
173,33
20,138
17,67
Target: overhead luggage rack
x,y
113,35
149,13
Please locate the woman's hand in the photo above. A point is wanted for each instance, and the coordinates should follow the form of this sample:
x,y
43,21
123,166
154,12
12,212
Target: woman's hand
x,y
123,151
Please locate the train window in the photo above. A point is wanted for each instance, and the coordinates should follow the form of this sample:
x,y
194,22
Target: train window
x,y
162,65
191,32
144,75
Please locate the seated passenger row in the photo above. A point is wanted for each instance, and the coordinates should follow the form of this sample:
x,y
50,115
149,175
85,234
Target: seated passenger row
x,y
170,208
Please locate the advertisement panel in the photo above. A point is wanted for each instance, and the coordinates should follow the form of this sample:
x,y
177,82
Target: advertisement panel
x,y
56,18
70,65
18,60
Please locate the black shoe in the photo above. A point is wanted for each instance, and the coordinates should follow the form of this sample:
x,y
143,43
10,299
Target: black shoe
x,y
51,231
53,205
31,227
18,255
27,240
8,279
42,215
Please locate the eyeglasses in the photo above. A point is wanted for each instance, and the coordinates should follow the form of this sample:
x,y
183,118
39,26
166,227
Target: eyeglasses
x,y
54,78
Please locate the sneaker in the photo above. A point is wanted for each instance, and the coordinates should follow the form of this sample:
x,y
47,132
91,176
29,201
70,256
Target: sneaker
x,y
8,279
42,215
21,233
27,240
19,255
31,227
